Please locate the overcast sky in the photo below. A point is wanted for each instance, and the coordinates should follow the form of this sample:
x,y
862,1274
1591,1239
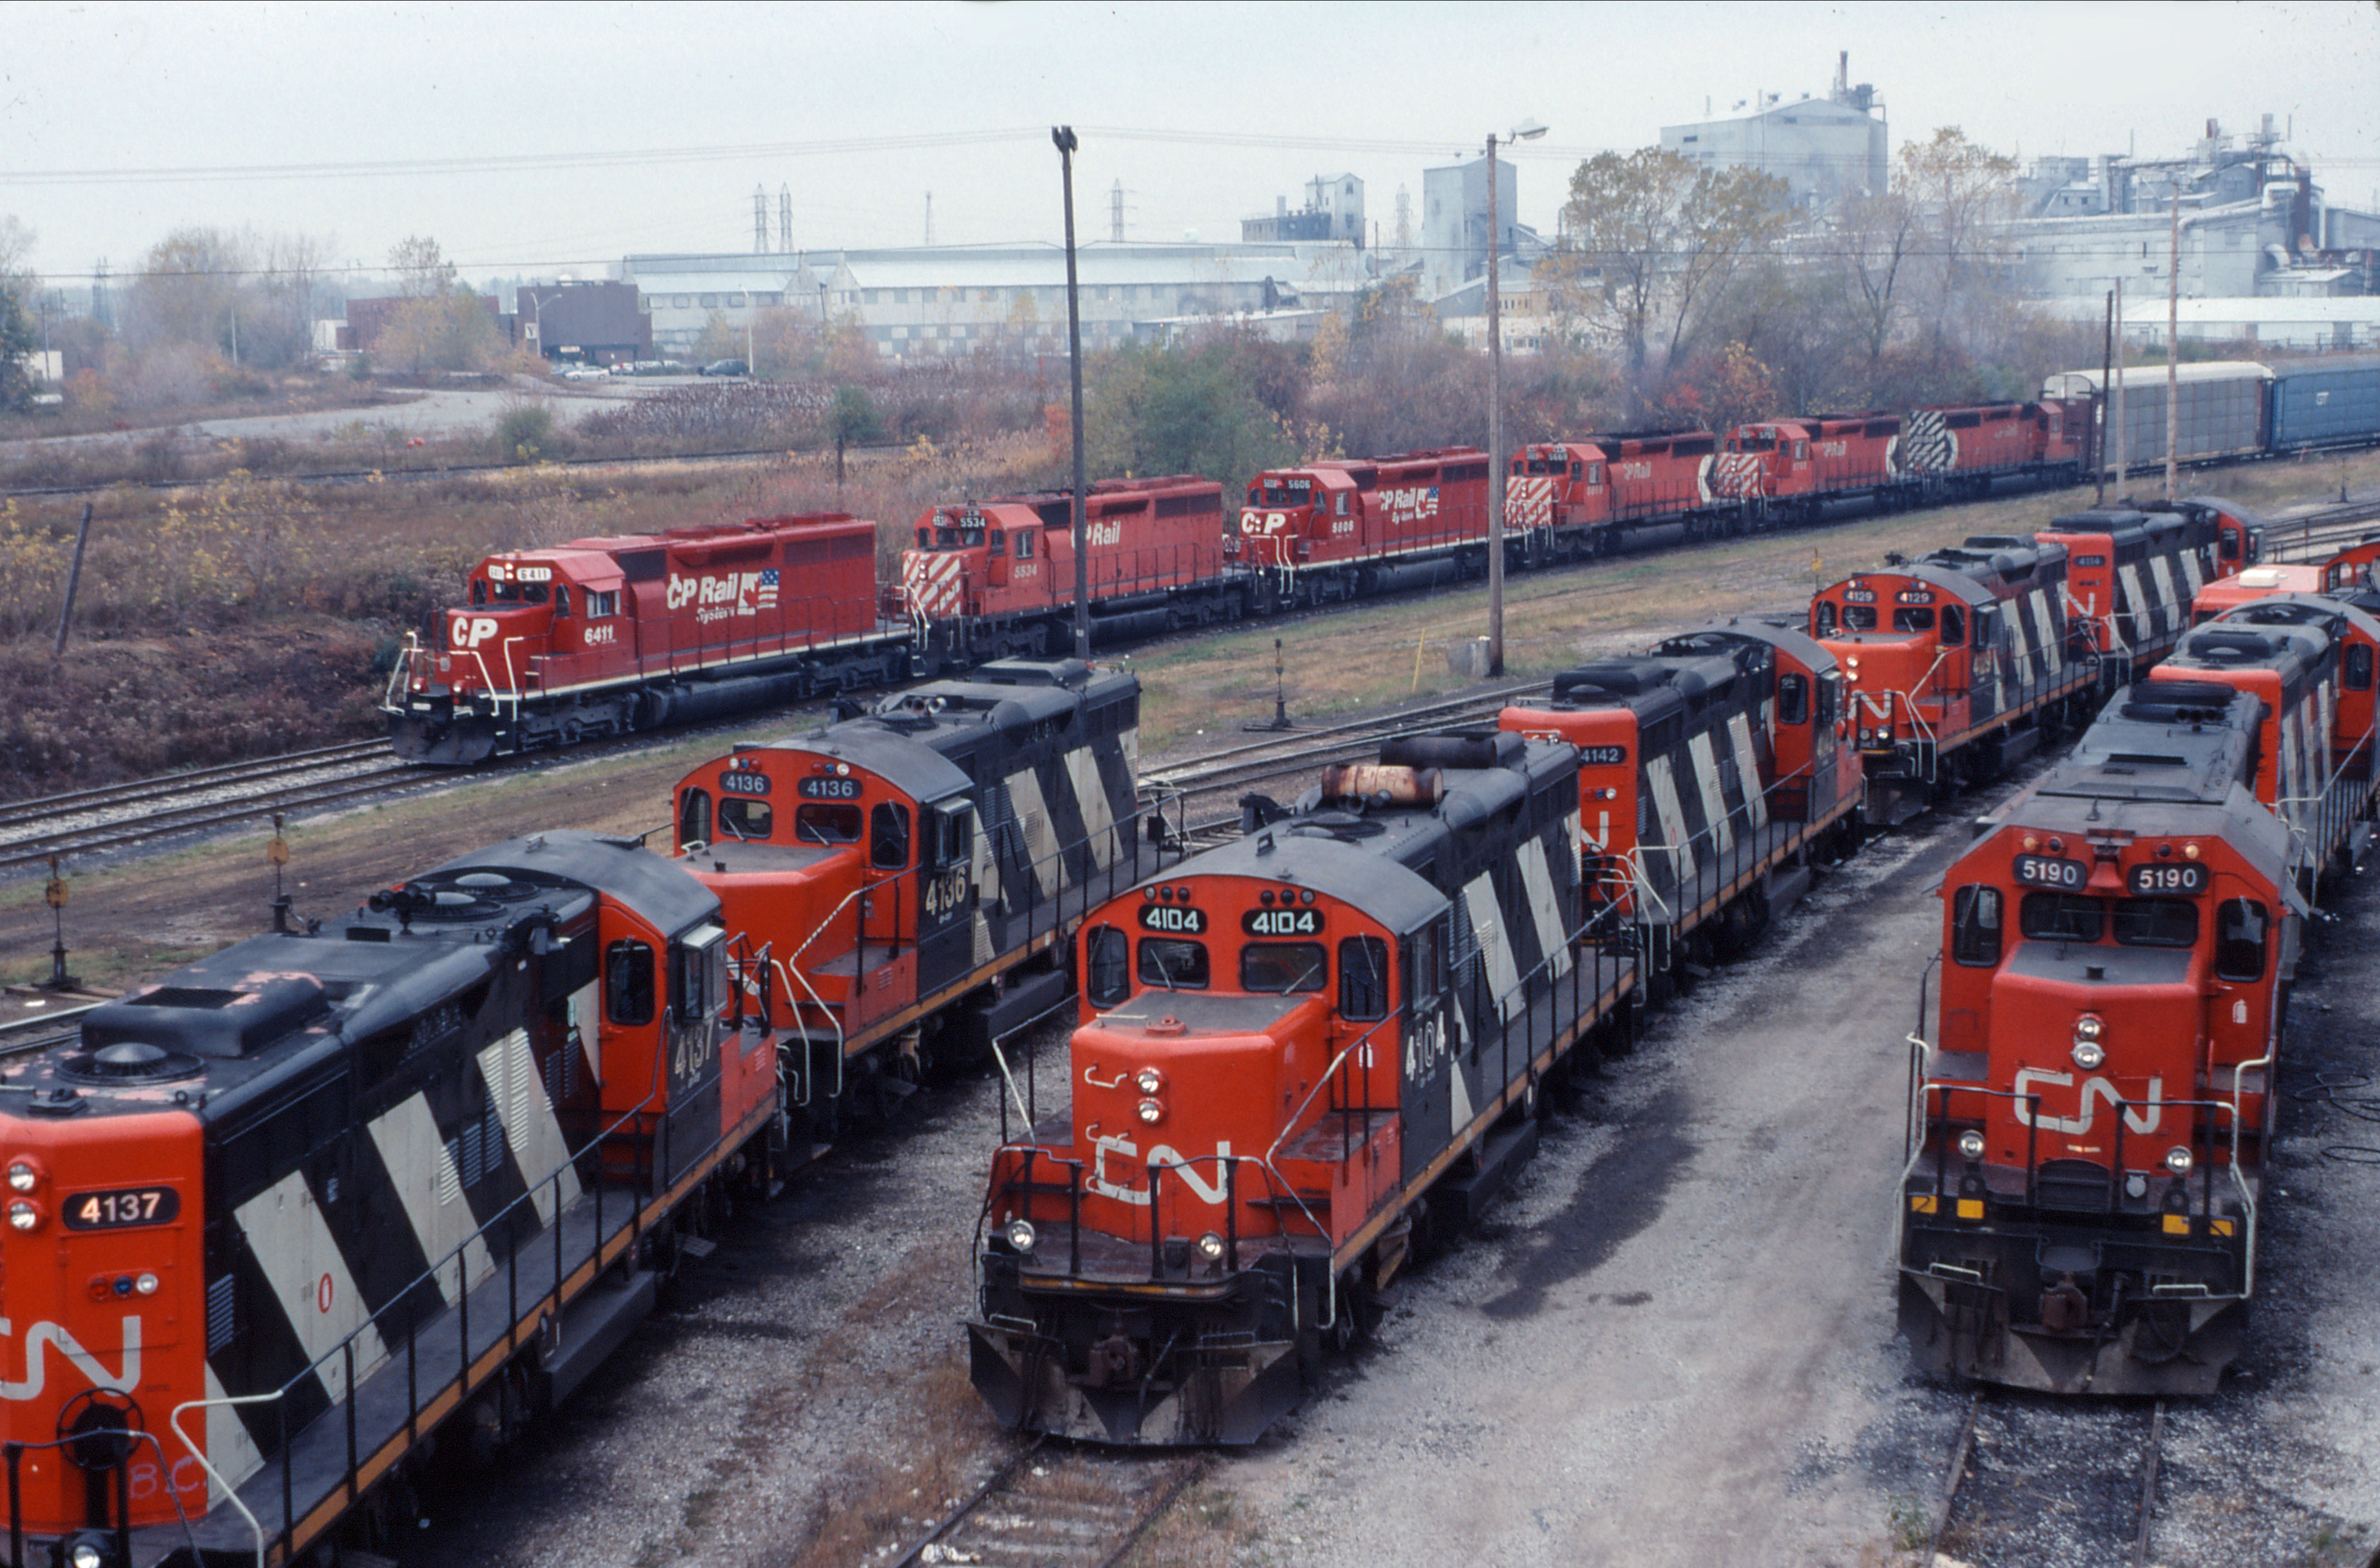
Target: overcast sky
x,y
543,139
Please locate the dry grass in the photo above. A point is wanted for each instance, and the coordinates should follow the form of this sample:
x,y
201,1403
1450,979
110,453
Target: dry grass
x,y
1364,660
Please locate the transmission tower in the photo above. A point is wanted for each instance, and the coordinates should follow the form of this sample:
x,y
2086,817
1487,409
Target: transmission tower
x,y
760,220
100,310
785,219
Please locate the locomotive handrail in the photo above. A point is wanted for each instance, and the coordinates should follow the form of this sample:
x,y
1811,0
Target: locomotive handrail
x,y
1290,1127
344,1351
400,675
231,1492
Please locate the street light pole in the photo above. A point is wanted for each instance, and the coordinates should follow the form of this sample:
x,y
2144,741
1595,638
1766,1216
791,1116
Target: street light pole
x,y
1528,130
1064,137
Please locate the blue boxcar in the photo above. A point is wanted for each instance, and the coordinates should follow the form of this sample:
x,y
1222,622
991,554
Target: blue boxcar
x,y
2325,402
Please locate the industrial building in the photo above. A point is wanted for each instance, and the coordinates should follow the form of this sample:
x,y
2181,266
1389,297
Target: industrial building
x,y
1334,212
2255,223
940,301
1824,149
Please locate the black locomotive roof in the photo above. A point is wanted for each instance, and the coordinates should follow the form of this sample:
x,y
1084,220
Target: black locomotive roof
x,y
2164,740
658,889
1804,649
2290,648
1352,872
907,739
2331,617
218,1031
1651,688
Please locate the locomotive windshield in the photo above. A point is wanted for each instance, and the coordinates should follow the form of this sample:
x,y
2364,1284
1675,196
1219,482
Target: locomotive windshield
x,y
1280,493
1172,963
1280,967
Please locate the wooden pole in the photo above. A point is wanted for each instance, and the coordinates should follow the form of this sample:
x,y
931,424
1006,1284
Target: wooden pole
x,y
2107,379
2173,354
74,582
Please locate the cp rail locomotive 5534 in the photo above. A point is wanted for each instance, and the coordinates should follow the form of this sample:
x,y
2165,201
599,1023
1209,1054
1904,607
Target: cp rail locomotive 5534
x,y
2088,1126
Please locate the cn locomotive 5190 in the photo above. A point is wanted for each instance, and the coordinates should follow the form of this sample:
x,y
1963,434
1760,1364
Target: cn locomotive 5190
x,y
2090,1120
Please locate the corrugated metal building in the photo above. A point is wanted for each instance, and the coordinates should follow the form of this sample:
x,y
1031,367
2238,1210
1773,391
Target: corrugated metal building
x,y
916,303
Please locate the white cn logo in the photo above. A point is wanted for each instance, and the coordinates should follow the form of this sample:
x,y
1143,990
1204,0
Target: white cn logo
x,y
472,631
2139,1120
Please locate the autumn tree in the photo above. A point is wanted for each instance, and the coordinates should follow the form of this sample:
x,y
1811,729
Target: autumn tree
x,y
1656,241
441,325
186,292
1185,410
1963,195
1388,377
17,283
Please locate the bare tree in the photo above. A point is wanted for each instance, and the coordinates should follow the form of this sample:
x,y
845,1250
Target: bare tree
x,y
422,270
1656,241
1964,194
187,291
16,251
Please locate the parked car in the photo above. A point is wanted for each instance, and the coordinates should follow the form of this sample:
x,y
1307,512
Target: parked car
x,y
726,367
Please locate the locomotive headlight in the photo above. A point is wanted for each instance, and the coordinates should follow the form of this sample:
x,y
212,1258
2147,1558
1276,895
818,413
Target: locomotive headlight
x,y
23,1215
2178,1161
146,1285
2089,1027
1151,1111
2087,1055
1020,1236
85,1554
1148,1080
22,1177
1210,1247
1971,1144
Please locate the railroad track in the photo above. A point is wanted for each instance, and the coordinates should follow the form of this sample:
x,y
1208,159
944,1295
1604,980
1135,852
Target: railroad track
x,y
2043,1454
2317,535
1048,1508
120,816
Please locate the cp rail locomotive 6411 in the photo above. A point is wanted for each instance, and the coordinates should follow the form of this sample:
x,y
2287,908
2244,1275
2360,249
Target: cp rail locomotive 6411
x,y
2089,1123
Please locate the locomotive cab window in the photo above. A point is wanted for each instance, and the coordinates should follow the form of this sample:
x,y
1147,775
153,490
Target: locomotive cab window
x,y
1110,966
479,590
998,543
601,604
950,827
2061,916
1341,507
694,817
561,599
744,819
820,821
1024,545
1279,967
2242,932
1912,618
1172,963
2156,922
1976,926
699,974
1823,617
1363,979
1801,452
1954,626
1595,473
1858,617
888,836
2358,666
628,982
1792,698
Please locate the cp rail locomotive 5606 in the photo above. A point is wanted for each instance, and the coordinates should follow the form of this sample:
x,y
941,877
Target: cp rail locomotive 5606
x,y
281,1222
2089,1123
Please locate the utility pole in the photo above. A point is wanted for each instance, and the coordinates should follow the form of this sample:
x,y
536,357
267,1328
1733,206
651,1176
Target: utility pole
x,y
2116,395
2107,376
2173,351
1527,130
1064,137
